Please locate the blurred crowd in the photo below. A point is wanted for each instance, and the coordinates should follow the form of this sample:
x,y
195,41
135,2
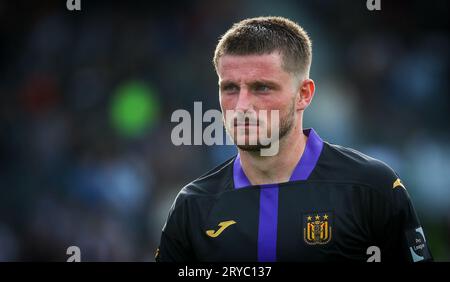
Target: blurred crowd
x,y
86,99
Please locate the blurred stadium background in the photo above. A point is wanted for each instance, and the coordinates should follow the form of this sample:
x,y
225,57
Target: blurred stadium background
x,y
86,99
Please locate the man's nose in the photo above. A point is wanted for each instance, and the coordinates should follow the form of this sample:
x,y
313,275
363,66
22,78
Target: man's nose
x,y
244,102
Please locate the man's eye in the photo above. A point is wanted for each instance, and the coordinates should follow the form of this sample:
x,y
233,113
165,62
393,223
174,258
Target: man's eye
x,y
262,88
230,88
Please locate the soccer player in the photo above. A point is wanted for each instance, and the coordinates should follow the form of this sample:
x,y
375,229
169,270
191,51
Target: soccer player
x,y
312,201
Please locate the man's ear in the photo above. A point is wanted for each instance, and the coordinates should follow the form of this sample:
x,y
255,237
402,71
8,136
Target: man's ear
x,y
306,93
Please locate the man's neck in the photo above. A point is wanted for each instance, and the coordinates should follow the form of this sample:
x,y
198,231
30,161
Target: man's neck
x,y
275,169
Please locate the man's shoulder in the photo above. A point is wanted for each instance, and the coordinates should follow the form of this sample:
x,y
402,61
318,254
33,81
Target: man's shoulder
x,y
210,184
350,165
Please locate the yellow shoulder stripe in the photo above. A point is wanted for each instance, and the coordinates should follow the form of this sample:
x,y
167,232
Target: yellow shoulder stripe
x,y
398,183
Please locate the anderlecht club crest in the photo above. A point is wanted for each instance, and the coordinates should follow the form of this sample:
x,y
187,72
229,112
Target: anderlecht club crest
x,y
317,228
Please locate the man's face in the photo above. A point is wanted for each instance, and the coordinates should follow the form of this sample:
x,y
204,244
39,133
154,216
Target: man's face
x,y
249,84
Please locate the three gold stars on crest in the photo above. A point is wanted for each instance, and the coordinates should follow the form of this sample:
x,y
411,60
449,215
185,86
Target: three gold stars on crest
x,y
317,217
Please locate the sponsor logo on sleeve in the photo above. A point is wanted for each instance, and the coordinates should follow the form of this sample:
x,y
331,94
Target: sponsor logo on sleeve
x,y
417,245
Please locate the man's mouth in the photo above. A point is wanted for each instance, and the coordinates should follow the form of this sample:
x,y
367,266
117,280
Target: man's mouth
x,y
247,123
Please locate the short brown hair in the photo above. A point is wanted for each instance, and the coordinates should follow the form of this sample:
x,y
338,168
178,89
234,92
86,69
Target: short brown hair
x,y
263,35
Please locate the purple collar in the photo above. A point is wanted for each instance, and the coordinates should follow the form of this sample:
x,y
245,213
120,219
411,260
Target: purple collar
x,y
305,166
